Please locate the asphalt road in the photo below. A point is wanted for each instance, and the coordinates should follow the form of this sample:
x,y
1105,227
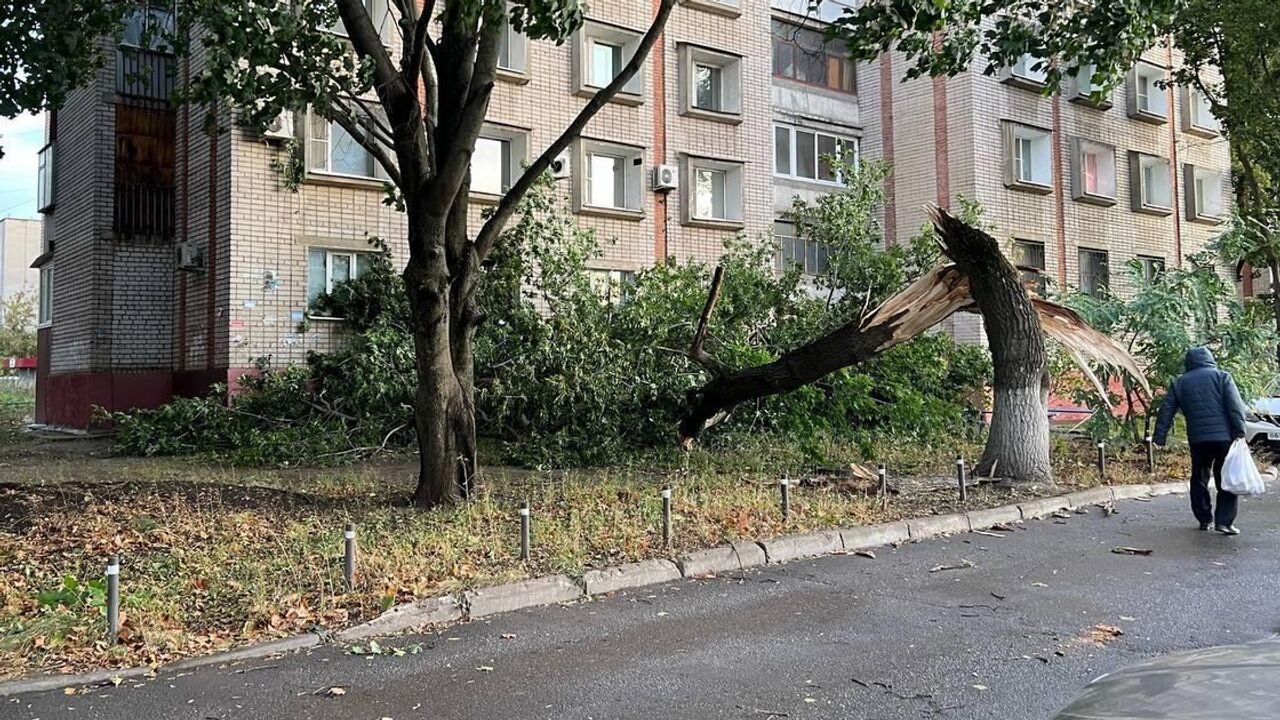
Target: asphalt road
x,y
840,637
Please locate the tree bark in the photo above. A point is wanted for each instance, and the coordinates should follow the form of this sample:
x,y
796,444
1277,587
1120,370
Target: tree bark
x,y
1273,264
1018,443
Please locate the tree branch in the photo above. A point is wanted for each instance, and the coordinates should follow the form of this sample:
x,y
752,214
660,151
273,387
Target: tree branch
x,y
696,351
360,133
489,232
367,42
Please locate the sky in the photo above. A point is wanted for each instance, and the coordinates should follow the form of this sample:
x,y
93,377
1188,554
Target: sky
x,y
21,138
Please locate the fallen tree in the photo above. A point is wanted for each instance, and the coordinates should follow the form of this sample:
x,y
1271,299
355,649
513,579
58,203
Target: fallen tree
x,y
980,278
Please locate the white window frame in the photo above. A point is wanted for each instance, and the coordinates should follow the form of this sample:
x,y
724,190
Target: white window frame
x,y
592,32
1080,148
1155,107
841,142
314,143
44,304
613,286
329,253
1018,136
517,47
516,144
1139,192
633,178
379,14
1195,108
1153,266
1083,87
816,255
734,190
730,67
1195,179
46,178
729,8
1021,72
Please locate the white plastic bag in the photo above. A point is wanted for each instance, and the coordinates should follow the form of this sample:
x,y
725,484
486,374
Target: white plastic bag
x,y
1240,475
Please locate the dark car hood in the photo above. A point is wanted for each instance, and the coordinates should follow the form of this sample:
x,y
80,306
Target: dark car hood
x,y
1241,682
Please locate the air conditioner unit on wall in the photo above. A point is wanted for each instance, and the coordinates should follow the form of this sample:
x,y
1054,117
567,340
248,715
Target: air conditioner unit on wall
x,y
560,166
666,177
281,128
190,256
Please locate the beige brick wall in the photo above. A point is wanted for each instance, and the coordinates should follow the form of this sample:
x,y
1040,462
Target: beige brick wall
x,y
20,245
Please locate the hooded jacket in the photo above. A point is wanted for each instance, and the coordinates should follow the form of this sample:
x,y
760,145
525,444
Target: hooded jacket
x,y
1208,399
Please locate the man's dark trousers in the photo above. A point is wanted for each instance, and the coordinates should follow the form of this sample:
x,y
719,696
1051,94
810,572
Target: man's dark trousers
x,y
1206,458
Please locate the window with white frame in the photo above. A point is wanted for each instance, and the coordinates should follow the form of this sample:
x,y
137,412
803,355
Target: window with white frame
x,y
496,161
611,178
1152,267
44,314
1095,271
332,150
808,256
805,153
713,191
513,50
44,179
712,83
732,8
613,286
1030,70
1151,184
1084,87
1199,112
379,14
1030,258
1203,192
1147,99
600,53
1093,170
327,268
1029,156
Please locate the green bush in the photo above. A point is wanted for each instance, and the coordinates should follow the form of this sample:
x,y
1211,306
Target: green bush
x,y
572,373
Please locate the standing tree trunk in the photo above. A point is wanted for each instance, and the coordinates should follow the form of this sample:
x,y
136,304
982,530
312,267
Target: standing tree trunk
x,y
1018,444
1273,264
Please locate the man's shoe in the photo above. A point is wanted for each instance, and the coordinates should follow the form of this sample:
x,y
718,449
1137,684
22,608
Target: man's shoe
x,y
1227,529
1205,526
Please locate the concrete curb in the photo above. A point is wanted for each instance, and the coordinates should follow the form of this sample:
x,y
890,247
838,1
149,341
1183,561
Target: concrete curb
x,y
554,589
430,611
518,596
649,572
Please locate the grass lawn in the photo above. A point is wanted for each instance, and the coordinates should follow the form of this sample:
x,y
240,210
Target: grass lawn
x,y
213,557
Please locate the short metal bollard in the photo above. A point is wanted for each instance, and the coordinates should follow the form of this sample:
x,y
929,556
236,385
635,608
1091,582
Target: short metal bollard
x,y
1151,455
1102,461
525,531
884,485
113,600
784,487
349,555
666,516
960,478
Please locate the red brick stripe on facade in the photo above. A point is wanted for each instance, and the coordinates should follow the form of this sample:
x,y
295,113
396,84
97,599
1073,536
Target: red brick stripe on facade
x,y
658,59
1174,168
886,145
1059,196
942,156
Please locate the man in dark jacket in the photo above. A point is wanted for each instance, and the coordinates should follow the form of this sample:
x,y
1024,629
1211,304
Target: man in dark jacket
x,y
1210,402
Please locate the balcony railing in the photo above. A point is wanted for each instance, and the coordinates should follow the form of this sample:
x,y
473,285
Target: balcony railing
x,y
144,211
144,74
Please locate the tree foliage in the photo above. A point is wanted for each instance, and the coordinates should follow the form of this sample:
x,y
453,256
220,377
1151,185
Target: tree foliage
x,y
17,334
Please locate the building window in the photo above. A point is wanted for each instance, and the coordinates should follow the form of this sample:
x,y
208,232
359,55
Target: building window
x,y
513,50
1029,157
379,15
611,177
44,314
713,191
327,268
1197,113
45,179
804,55
148,28
711,82
496,159
1150,184
1203,189
1030,258
810,257
1095,272
1147,100
600,53
1093,172
1030,71
1084,88
802,153
613,286
732,8
1152,267
332,150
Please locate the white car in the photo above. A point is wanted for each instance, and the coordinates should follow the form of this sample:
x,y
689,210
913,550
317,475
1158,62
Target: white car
x,y
1262,422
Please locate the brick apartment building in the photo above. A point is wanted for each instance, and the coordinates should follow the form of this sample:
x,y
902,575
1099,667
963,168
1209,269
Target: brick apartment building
x,y
19,247
177,257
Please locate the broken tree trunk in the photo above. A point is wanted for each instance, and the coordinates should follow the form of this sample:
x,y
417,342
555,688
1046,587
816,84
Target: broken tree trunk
x,y
1018,441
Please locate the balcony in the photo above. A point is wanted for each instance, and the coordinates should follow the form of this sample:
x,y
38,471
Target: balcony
x,y
144,74
144,211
